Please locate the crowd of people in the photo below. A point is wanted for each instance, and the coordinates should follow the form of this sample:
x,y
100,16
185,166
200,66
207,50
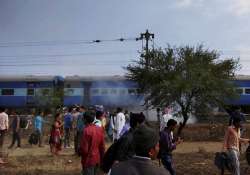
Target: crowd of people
x,y
134,143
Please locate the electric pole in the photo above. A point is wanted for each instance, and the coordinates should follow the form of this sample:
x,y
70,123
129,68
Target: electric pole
x,y
147,36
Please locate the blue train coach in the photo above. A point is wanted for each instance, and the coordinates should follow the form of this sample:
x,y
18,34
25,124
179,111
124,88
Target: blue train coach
x,y
110,91
242,83
22,91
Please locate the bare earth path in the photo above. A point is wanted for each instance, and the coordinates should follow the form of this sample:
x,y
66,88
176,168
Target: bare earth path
x,y
190,158
185,147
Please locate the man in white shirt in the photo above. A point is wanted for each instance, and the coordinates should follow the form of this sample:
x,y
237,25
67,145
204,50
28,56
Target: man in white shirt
x,y
118,124
164,121
165,118
4,126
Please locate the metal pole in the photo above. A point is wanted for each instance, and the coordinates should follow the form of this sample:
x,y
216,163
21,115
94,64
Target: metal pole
x,y
147,37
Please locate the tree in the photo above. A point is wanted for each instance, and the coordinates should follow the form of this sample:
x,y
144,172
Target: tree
x,y
50,98
188,78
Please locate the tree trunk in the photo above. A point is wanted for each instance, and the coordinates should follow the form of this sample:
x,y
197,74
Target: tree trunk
x,y
182,125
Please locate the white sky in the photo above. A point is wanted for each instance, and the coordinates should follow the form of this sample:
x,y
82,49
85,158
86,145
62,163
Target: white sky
x,y
218,24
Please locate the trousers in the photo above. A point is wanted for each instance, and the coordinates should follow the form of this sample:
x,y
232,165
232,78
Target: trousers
x,y
167,162
234,156
16,137
90,171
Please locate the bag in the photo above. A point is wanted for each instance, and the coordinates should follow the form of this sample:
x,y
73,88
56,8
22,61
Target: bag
x,y
109,156
33,139
222,160
23,122
219,160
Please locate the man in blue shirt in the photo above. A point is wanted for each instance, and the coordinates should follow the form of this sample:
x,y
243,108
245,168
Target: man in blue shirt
x,y
79,128
38,124
67,127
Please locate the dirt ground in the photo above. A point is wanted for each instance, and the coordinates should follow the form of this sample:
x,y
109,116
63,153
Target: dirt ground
x,y
192,157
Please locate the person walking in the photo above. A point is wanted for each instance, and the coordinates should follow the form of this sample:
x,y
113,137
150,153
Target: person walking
x,y
55,140
4,126
67,127
119,123
98,119
146,149
232,142
92,145
165,117
125,149
127,126
15,131
79,128
110,128
167,145
38,124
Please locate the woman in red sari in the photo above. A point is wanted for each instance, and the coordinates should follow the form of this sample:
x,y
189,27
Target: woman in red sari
x,y
56,135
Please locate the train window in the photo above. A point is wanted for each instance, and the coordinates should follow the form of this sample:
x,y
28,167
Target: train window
x,y
104,91
113,91
138,91
132,91
30,92
7,91
69,92
68,86
247,91
95,91
45,92
122,91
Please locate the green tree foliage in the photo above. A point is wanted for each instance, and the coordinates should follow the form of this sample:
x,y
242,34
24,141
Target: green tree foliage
x,y
189,78
50,98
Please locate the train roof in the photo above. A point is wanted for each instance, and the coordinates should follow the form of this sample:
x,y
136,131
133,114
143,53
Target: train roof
x,y
26,78
67,78
95,78
122,78
80,78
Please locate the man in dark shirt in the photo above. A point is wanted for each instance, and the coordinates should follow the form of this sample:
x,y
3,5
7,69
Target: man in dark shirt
x,y
167,145
67,127
146,149
125,149
236,113
79,128
16,131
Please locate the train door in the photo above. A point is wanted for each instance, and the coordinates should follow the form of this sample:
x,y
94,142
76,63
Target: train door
x,y
86,91
31,94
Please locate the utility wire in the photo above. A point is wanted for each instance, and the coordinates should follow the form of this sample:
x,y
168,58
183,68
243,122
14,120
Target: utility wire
x,y
222,51
40,64
69,55
63,42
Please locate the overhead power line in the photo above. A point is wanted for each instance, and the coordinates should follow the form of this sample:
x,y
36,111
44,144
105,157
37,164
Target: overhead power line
x,y
56,64
64,42
70,54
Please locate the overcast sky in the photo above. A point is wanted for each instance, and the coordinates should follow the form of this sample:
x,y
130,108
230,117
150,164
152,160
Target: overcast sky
x,y
54,25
